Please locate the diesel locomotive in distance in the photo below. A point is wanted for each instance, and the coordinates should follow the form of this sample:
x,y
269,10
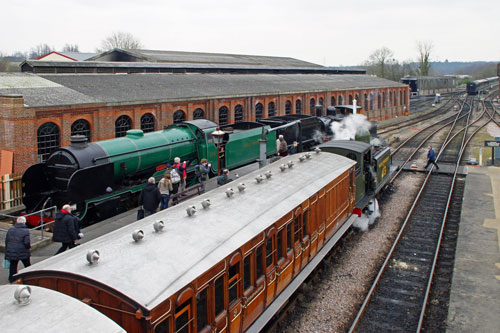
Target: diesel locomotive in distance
x,y
479,86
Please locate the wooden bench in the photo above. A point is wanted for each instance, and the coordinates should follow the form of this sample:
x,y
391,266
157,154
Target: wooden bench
x,y
188,193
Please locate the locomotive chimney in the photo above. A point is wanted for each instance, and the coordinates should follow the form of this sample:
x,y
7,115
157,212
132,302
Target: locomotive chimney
x,y
79,141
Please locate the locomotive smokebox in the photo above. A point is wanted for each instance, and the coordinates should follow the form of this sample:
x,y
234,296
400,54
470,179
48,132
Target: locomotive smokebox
x,y
79,141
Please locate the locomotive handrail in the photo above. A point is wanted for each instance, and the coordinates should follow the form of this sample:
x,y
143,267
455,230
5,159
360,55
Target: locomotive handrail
x,y
95,159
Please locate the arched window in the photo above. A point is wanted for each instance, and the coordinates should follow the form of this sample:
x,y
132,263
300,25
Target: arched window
x,y
288,107
356,97
48,140
365,104
81,127
271,109
379,101
122,125
238,113
258,111
198,114
390,98
332,101
223,115
395,98
350,99
406,98
312,103
298,106
383,99
341,100
147,123
179,116
400,97
371,100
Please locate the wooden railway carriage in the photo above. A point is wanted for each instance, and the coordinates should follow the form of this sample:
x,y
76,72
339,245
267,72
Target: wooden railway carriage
x,y
30,308
218,269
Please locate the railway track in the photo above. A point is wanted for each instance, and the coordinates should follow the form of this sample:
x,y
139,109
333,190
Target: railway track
x,y
422,256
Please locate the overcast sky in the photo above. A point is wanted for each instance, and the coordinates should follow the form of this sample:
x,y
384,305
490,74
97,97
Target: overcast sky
x,y
331,33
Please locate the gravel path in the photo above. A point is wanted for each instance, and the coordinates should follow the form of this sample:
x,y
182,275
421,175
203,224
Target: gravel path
x,y
330,303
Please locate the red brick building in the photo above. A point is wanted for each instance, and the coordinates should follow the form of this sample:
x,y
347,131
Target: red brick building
x,y
39,112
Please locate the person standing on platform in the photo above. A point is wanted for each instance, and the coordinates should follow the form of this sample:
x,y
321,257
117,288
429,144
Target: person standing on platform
x,y
181,168
202,171
431,158
150,197
165,187
65,229
281,146
17,246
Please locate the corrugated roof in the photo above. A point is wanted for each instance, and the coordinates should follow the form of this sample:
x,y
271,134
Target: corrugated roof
x,y
152,88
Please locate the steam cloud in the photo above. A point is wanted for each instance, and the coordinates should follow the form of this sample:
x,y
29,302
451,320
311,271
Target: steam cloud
x,y
347,128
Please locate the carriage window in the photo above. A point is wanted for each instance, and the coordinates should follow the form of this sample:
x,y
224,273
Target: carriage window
x,y
163,327
269,253
183,318
259,262
281,245
202,309
234,277
296,230
247,272
305,227
219,296
288,236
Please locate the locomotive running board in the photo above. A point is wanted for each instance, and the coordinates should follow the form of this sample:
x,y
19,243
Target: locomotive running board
x,y
276,305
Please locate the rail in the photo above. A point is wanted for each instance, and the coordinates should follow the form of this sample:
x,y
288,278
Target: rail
x,y
43,218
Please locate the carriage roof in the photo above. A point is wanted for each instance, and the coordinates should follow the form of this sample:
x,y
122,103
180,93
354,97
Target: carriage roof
x,y
151,270
50,311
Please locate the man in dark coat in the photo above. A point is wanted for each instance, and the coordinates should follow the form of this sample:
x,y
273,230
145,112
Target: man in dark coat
x,y
65,229
17,246
431,158
150,197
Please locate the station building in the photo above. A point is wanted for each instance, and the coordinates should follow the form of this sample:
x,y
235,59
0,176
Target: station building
x,y
110,93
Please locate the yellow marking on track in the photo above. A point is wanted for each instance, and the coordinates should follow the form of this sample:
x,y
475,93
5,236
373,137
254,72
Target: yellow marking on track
x,y
494,173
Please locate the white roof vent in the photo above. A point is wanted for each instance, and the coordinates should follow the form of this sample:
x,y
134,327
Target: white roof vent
x,y
308,155
317,150
191,210
259,179
93,256
269,174
138,235
241,187
206,203
283,167
22,295
229,192
158,226
302,158
290,164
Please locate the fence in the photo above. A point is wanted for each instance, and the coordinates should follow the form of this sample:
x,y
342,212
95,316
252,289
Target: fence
x,y
11,191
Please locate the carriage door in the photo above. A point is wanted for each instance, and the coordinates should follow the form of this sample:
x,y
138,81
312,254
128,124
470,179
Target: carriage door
x,y
296,241
234,292
306,238
184,316
312,225
285,256
221,320
271,268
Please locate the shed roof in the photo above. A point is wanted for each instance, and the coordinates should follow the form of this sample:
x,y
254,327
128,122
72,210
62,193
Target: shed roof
x,y
162,263
70,89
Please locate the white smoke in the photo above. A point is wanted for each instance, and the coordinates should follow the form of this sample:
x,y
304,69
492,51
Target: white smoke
x,y
347,128
363,222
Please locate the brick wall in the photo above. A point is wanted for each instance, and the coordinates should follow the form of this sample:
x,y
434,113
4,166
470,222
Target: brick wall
x,y
19,124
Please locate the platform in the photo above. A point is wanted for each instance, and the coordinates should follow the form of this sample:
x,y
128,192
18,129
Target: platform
x,y
474,298
443,167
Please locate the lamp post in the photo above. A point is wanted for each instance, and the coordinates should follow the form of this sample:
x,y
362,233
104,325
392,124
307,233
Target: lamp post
x,y
218,135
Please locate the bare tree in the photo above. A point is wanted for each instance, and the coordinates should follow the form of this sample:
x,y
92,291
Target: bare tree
x,y
4,63
40,50
70,48
120,39
379,59
424,53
